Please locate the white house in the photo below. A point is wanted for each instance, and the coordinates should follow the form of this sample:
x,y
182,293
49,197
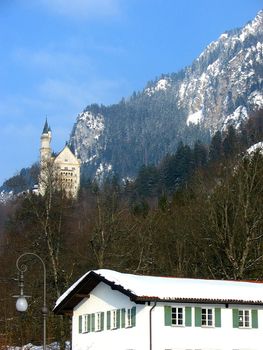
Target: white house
x,y
113,310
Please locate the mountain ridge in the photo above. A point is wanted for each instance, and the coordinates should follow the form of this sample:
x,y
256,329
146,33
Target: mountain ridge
x,y
221,87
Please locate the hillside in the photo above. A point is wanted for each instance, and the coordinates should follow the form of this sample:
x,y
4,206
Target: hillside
x,y
221,87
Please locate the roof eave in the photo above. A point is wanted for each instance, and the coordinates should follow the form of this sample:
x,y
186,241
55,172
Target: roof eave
x,y
145,299
82,290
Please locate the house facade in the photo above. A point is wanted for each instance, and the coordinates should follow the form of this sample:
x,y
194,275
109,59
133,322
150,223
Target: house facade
x,y
129,312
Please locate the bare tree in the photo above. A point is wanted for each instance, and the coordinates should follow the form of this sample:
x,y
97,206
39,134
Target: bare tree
x,y
234,211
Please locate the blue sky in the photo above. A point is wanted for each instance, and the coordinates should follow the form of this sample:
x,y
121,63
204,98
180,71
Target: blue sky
x,y
57,56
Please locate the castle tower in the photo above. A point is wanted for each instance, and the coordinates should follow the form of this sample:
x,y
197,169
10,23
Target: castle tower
x,y
45,158
45,148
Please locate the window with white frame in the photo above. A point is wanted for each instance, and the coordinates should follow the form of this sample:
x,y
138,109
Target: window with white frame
x,y
86,323
207,317
113,319
98,322
244,318
128,318
177,316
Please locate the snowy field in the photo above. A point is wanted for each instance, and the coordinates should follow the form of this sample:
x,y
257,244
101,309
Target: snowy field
x,y
53,346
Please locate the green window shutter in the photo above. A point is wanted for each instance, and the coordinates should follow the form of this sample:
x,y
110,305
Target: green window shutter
x,y
235,318
167,315
123,318
254,318
118,318
188,316
133,316
102,320
92,322
217,317
80,324
197,316
89,323
108,319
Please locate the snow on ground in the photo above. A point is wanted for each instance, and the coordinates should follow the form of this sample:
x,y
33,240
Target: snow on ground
x,y
195,118
53,346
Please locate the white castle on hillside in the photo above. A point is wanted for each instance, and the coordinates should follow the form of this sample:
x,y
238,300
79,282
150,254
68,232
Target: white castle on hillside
x,y
62,171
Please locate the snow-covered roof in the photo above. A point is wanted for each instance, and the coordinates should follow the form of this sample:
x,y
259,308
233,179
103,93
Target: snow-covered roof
x,y
143,288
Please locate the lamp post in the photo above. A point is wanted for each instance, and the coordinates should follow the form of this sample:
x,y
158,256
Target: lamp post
x,y
21,303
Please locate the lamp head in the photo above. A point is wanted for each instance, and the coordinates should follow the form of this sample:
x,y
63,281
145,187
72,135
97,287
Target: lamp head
x,y
21,304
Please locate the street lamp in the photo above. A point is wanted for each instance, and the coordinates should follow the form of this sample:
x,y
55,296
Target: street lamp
x,y
21,303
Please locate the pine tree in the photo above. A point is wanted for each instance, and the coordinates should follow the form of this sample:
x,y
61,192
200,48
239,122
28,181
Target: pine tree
x,y
216,147
200,154
230,143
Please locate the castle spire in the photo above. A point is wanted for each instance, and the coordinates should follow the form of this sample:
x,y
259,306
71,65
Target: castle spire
x,y
46,128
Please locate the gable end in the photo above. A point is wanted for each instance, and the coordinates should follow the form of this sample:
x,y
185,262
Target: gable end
x,y
83,289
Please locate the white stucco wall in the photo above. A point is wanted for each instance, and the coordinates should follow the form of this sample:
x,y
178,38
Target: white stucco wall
x,y
67,167
205,338
103,299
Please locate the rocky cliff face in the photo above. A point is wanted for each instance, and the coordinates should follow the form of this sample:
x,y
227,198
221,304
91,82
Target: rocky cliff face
x,y
225,82
222,86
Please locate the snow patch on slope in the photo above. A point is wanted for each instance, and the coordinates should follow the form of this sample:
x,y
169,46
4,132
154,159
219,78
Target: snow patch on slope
x,y
195,118
236,118
161,85
223,36
93,122
214,68
256,147
256,99
252,27
6,196
103,170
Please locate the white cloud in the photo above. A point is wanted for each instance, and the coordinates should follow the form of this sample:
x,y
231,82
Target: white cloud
x,y
83,8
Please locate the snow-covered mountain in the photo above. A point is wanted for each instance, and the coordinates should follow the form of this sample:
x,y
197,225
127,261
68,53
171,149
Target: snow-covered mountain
x,y
222,86
225,81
